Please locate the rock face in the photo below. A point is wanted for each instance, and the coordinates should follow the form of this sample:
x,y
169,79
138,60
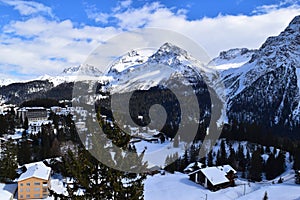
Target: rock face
x,y
265,90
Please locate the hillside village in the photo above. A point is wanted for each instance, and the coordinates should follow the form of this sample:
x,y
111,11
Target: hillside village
x,y
36,172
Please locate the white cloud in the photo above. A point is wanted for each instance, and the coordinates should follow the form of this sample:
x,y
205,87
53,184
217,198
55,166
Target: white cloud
x,y
272,7
28,7
214,34
122,4
38,45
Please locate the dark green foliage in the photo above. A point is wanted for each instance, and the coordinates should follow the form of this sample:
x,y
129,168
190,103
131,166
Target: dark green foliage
x,y
297,176
222,156
8,161
26,124
99,181
297,159
232,157
265,196
210,159
256,167
3,124
271,172
47,103
24,153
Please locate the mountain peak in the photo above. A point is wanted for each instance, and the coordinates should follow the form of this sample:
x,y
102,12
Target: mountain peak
x,y
296,20
169,53
169,48
83,69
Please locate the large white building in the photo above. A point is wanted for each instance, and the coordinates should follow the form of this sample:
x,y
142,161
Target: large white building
x,y
33,113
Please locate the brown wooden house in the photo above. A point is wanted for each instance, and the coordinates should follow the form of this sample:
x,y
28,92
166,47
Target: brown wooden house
x,y
214,178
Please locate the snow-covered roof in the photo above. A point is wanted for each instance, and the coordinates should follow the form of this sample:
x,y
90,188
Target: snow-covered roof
x,y
40,122
226,168
36,170
35,108
7,191
15,136
215,175
190,167
31,108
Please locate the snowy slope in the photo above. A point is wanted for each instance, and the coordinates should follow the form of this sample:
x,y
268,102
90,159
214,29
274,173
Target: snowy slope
x,y
71,74
232,58
143,70
178,186
266,86
134,57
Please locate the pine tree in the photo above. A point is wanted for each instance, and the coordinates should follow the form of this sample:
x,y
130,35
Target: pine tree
x,y
100,181
210,159
176,142
270,167
232,157
280,162
297,176
45,142
24,153
296,165
26,123
8,162
185,160
194,153
256,166
55,148
265,196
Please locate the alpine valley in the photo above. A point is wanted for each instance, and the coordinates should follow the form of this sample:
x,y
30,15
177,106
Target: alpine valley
x,y
260,88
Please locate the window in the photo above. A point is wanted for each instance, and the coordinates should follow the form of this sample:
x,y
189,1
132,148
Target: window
x,y
28,196
21,184
21,190
37,189
28,184
37,183
37,195
27,190
21,196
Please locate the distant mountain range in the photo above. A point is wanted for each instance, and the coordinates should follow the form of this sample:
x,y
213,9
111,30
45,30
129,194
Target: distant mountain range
x,y
261,86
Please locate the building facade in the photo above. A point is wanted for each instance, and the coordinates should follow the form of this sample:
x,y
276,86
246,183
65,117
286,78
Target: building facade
x,y
214,178
33,113
35,182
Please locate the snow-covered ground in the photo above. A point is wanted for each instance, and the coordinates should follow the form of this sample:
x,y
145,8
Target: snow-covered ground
x,y
156,153
178,186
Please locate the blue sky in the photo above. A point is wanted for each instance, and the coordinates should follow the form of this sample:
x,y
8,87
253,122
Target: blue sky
x,y
45,36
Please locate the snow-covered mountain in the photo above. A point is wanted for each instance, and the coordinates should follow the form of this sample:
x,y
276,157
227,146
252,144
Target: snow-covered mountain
x,y
265,88
71,74
136,71
261,86
7,81
231,59
83,69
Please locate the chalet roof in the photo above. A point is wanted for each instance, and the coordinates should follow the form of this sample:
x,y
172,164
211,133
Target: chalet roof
x,y
226,168
31,108
7,191
214,175
36,170
190,167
